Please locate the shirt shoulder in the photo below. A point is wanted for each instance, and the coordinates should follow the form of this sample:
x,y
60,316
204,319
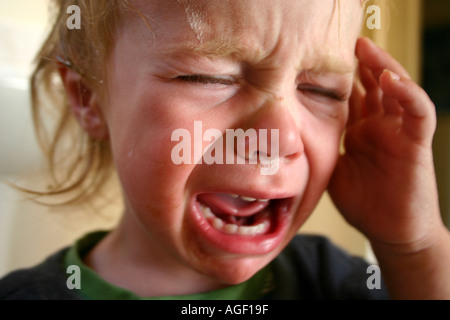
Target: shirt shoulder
x,y
45,281
312,267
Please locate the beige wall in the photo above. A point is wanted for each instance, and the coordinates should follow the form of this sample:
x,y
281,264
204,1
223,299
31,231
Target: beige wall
x,y
401,32
28,232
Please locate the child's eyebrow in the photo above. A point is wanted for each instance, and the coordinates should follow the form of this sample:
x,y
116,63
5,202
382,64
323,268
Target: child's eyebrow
x,y
329,63
324,62
210,48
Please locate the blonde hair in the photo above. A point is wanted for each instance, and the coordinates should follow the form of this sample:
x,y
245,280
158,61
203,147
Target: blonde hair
x,y
78,165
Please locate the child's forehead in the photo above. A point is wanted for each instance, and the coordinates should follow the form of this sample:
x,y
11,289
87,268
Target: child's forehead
x,y
198,13
201,13
236,27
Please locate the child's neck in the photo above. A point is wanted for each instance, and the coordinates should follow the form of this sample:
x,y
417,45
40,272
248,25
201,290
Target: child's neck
x,y
131,261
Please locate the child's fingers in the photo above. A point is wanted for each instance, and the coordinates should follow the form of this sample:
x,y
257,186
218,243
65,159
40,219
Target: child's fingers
x,y
400,95
377,60
392,106
357,109
373,91
419,115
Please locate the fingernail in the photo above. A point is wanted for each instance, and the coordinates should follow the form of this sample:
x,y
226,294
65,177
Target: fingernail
x,y
393,75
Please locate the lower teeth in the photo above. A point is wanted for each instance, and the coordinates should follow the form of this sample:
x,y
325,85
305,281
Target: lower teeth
x,y
230,228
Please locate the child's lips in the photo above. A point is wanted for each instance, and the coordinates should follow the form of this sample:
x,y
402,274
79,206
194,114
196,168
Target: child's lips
x,y
242,224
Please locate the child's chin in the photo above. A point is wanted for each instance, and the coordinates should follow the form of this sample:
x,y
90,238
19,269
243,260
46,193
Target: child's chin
x,y
238,271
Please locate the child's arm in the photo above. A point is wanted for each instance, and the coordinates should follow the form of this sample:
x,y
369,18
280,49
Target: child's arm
x,y
385,184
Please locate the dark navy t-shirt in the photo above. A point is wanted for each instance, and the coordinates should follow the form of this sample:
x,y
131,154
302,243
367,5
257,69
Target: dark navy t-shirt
x,y
310,268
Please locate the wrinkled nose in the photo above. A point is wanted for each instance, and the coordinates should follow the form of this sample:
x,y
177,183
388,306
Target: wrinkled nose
x,y
277,132
272,137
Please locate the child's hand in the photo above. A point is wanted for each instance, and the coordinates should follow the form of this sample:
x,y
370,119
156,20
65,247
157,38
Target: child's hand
x,y
384,184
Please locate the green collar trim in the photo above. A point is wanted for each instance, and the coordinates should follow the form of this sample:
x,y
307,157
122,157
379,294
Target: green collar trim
x,y
93,287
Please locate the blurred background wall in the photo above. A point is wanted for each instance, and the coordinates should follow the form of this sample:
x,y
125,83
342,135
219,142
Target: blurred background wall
x,y
436,81
29,232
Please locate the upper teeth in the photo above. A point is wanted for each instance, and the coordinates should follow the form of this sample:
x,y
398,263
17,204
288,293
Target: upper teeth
x,y
249,199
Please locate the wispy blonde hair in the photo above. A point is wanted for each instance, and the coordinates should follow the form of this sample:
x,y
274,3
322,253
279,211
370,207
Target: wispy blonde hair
x,y
78,165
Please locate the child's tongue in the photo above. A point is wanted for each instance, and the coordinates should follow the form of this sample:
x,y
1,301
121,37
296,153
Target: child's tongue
x,y
225,204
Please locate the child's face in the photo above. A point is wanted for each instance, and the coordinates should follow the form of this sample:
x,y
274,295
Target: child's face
x,y
284,65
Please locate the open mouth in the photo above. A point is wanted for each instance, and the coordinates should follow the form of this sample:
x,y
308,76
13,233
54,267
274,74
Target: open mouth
x,y
237,215
242,224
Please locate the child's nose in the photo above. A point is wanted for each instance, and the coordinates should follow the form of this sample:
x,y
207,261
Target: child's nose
x,y
275,117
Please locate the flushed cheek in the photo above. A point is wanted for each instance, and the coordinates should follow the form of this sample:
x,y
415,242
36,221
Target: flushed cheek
x,y
142,155
323,153
322,142
154,190
148,174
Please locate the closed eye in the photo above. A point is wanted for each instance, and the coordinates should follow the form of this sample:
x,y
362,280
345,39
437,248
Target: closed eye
x,y
207,79
321,92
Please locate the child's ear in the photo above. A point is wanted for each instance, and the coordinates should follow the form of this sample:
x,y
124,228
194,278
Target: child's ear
x,y
85,104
